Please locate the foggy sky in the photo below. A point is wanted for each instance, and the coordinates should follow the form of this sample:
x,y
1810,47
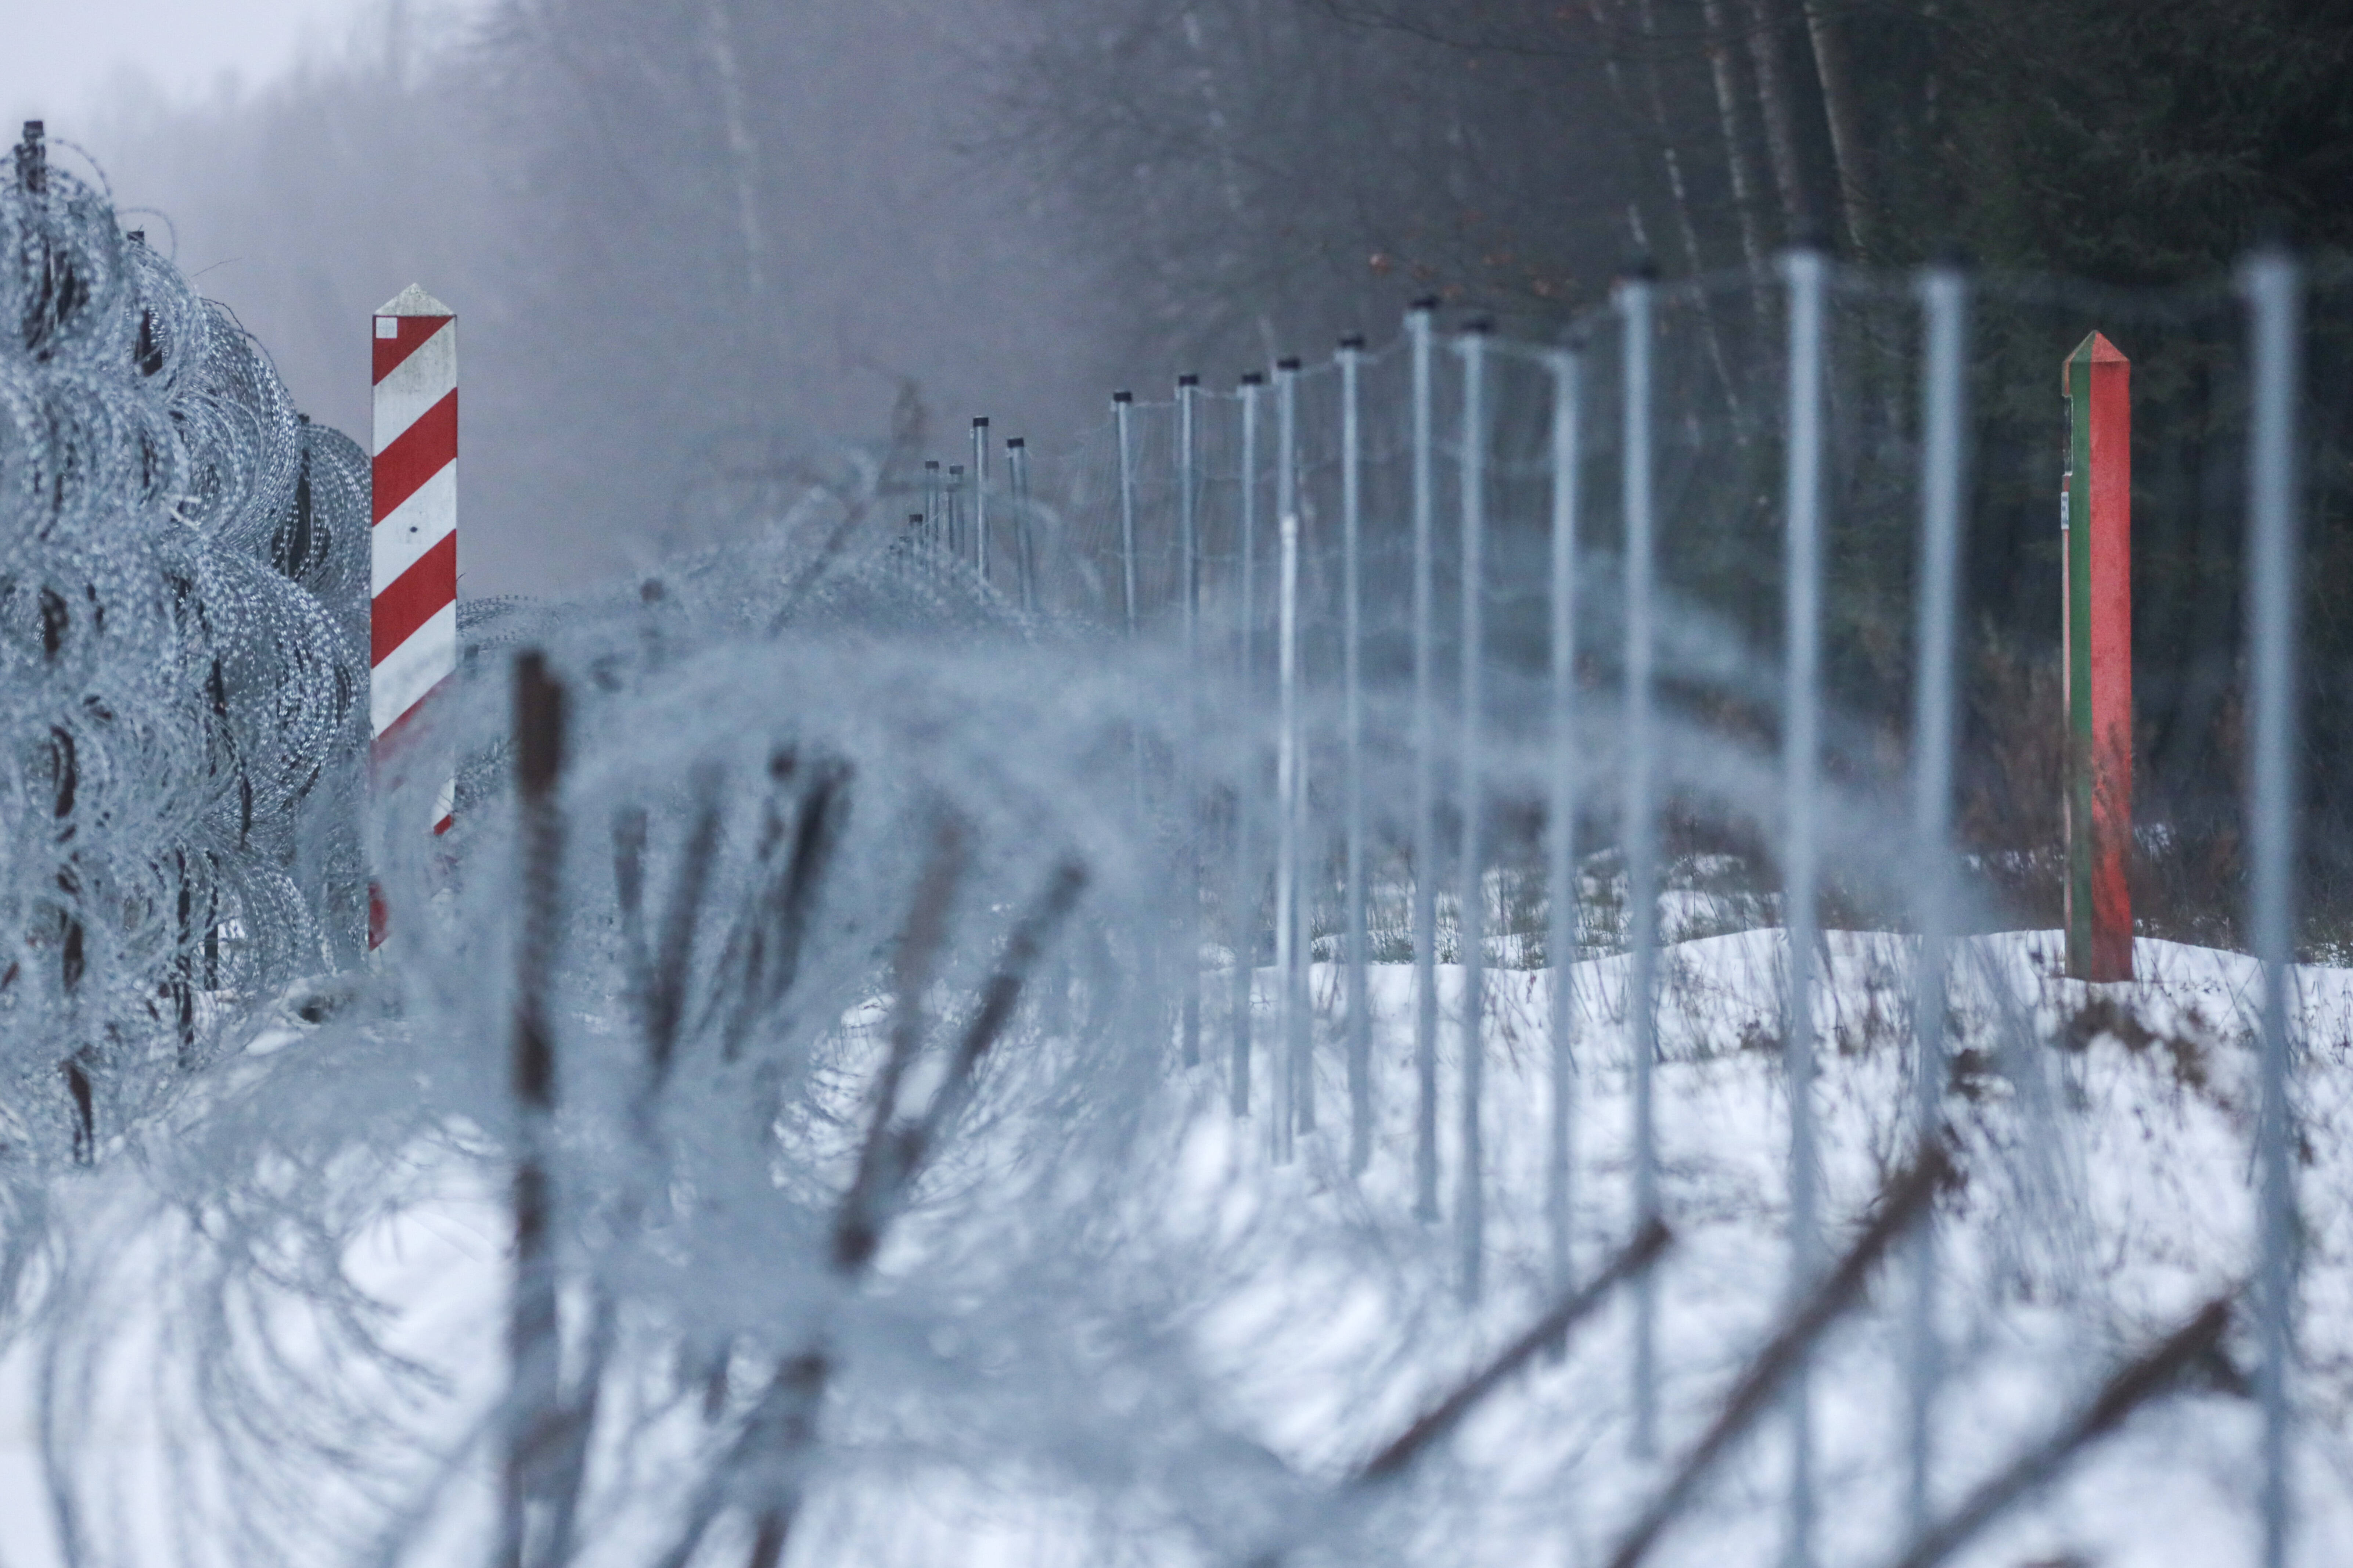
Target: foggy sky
x,y
605,359
62,61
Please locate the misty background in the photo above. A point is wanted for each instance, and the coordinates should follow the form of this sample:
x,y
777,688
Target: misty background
x,y
679,238
698,246
692,239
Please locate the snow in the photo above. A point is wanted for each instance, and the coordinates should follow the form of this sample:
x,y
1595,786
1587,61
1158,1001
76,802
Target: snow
x,y
1304,1317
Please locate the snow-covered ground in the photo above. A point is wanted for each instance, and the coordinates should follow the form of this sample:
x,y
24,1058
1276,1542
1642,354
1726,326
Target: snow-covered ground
x,y
2091,1221
2107,1193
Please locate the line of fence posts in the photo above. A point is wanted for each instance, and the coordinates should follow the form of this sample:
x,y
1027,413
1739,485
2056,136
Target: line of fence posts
x,y
1806,275
2096,619
957,521
2099,924
2097,562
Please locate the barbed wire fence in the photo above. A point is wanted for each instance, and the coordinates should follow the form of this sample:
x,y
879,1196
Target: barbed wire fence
x,y
915,961
185,583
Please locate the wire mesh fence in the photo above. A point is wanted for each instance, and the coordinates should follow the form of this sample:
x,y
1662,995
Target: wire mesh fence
x,y
1729,614
1444,956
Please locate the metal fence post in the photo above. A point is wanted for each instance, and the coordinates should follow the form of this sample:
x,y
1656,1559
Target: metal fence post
x,y
1419,322
1807,275
1352,590
1017,478
1188,501
1299,1021
1287,891
1246,886
1470,1201
1560,827
980,494
1636,301
1944,477
1122,404
2274,286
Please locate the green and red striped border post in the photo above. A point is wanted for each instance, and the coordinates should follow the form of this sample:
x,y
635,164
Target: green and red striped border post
x,y
2096,517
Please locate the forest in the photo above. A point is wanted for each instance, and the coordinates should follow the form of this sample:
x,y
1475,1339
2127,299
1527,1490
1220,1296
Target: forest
x,y
1077,927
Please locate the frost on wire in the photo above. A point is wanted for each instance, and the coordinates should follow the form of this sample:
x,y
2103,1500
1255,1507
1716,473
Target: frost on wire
x,y
182,580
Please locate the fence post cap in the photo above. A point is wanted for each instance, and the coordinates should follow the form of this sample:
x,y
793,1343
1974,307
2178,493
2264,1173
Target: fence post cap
x,y
414,301
2095,349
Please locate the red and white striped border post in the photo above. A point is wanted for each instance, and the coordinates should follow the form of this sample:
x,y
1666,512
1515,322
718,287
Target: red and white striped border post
x,y
414,544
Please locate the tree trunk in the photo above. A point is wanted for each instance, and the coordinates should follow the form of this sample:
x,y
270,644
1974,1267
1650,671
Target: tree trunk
x,y
1844,114
1778,102
1681,197
1637,228
1725,70
1669,156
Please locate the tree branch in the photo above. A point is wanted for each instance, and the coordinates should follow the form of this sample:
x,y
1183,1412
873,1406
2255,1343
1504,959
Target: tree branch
x,y
1902,1201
